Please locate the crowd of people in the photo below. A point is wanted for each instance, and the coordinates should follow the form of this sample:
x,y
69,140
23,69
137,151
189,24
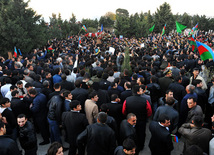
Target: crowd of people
x,y
83,92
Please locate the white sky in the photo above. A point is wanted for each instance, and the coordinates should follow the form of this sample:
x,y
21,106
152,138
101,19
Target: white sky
x,y
96,8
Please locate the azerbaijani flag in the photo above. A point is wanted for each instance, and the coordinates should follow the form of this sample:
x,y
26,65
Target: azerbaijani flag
x,y
84,28
205,51
79,42
163,31
15,52
174,138
194,28
193,44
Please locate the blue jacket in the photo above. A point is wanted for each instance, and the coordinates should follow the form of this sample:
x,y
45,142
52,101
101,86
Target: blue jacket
x,y
57,79
39,107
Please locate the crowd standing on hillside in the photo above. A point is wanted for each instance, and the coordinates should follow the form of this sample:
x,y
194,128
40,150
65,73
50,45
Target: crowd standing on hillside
x,y
103,108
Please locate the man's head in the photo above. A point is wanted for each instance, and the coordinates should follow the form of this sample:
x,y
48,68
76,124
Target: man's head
x,y
136,89
48,75
2,128
28,86
195,72
32,92
102,117
57,86
164,120
127,85
67,95
15,93
104,108
115,98
21,120
129,146
93,96
5,102
170,101
169,93
132,119
46,84
13,87
140,81
198,121
168,73
197,83
190,89
191,102
75,105
19,84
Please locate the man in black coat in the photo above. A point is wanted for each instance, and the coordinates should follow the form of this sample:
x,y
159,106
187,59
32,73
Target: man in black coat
x,y
127,92
27,135
99,137
127,129
17,105
165,81
128,148
80,94
8,146
161,141
66,84
74,123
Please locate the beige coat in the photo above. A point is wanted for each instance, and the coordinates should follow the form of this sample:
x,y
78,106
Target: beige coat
x,y
91,110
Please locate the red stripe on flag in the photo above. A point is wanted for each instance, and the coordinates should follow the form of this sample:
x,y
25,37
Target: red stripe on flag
x,y
202,49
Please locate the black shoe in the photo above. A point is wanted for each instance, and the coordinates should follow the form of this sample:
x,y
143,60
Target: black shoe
x,y
44,143
65,149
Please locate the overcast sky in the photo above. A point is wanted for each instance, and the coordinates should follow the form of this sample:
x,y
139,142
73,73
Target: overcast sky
x,y
95,8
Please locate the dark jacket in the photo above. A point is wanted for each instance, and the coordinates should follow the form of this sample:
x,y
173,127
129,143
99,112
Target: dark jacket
x,y
171,113
164,83
8,146
27,136
39,107
119,151
18,106
154,89
74,123
178,91
125,94
100,139
37,84
195,111
55,108
81,95
202,97
196,136
46,92
161,141
67,85
127,131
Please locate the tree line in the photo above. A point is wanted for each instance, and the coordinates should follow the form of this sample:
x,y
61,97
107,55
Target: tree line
x,y
22,27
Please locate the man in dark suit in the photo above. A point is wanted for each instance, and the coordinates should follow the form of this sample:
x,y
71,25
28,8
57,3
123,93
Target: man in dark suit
x,y
74,123
115,109
66,84
127,92
161,141
80,93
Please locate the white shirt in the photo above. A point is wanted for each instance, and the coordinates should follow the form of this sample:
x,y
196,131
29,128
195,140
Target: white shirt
x,y
8,95
5,88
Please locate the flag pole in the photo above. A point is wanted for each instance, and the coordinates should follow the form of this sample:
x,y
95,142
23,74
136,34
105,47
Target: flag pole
x,y
79,31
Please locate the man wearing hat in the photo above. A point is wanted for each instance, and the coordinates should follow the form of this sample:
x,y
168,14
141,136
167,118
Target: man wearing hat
x,y
165,81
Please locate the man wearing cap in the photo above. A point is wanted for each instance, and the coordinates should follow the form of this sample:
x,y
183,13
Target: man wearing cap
x,y
165,81
197,76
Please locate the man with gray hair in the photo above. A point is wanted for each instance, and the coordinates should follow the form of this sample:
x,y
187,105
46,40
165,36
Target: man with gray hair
x,y
27,76
184,107
99,137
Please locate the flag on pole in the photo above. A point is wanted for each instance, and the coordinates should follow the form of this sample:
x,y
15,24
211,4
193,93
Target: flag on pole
x,y
20,52
163,31
180,27
15,52
152,28
205,51
79,42
84,28
101,28
192,42
194,29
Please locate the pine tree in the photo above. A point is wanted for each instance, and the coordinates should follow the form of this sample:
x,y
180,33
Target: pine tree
x,y
126,61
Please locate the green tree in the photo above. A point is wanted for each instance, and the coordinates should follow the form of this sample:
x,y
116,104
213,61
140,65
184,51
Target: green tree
x,y
126,62
106,21
20,26
186,20
122,24
163,16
